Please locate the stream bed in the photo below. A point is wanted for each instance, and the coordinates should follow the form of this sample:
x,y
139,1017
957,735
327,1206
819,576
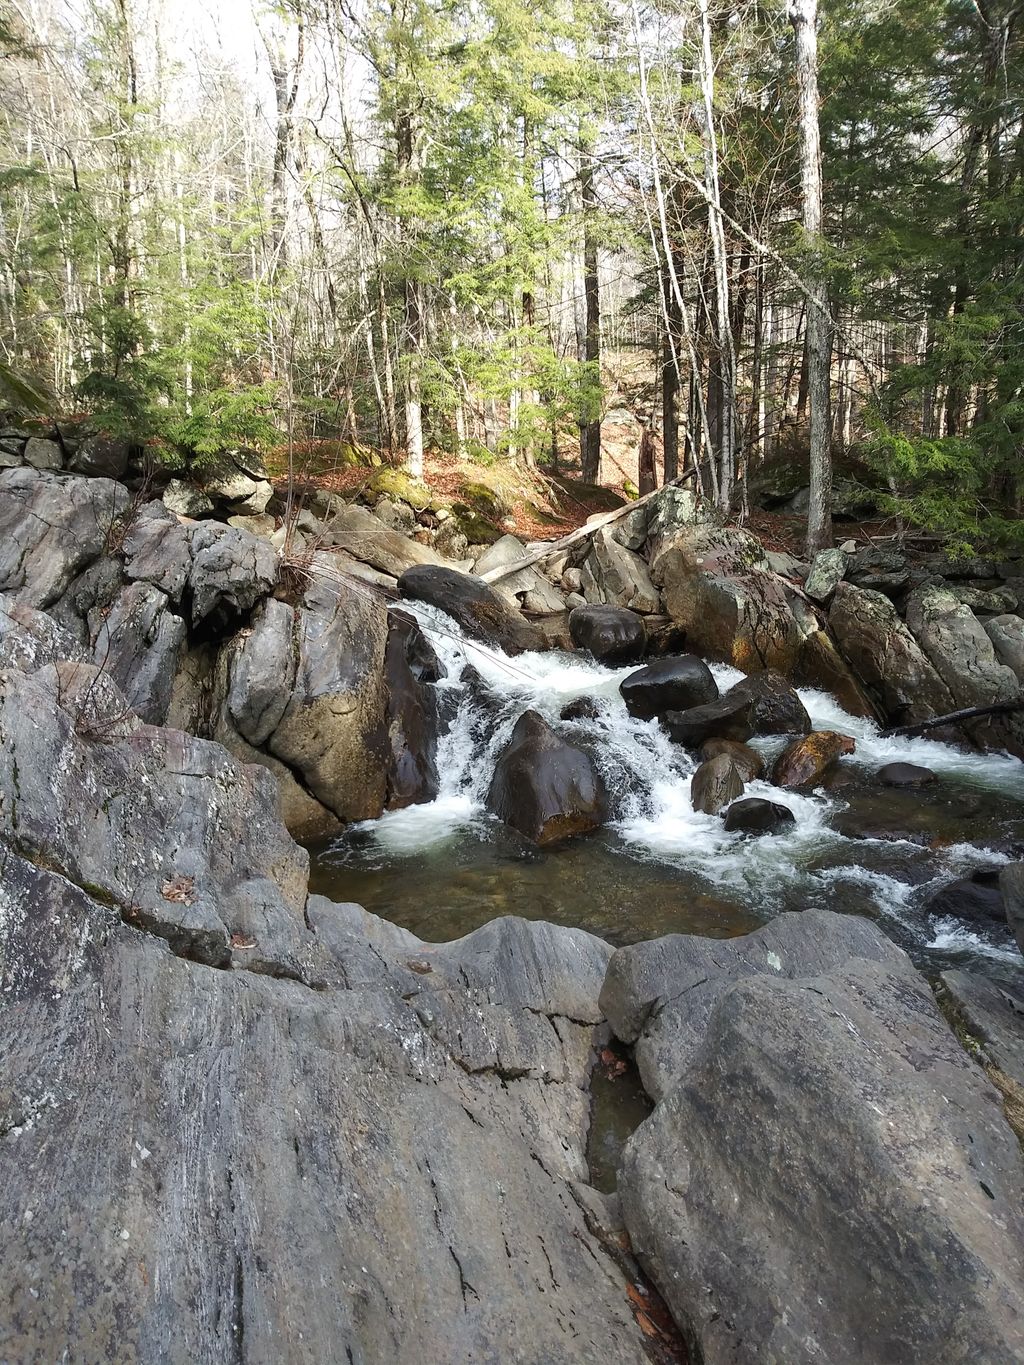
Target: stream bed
x,y
445,867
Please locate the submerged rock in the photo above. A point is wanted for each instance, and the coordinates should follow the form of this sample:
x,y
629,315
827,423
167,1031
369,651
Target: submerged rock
x,y
544,787
753,815
807,760
583,708
906,775
716,783
668,685
976,899
611,634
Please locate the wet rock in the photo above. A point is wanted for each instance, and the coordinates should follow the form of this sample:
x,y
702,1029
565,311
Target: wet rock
x,y
583,708
776,708
545,788
1007,636
411,714
718,587
1011,888
730,717
854,1076
820,665
747,760
807,760
885,656
717,782
976,899
610,634
905,775
186,500
753,815
673,684
52,527
827,572
481,612
993,1013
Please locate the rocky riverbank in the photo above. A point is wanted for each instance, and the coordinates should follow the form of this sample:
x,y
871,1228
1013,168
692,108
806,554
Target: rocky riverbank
x,y
242,1122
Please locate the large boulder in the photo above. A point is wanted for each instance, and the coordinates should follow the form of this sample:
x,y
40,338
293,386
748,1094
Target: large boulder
x,y
807,760
885,656
827,570
612,634
776,708
481,612
763,704
749,762
360,533
717,585
545,788
101,456
231,571
827,1176
1007,635
52,527
754,815
976,898
672,684
616,576
139,643
237,481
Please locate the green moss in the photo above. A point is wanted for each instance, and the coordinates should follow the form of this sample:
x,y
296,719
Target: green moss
x,y
396,483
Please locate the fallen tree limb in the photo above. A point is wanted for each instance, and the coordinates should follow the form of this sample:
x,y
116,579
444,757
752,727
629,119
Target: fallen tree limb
x,y
1001,708
552,547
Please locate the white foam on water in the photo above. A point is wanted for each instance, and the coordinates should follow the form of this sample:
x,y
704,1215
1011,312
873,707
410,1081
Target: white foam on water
x,y
954,937
650,780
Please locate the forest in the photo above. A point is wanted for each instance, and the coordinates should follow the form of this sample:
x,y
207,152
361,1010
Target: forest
x,y
476,229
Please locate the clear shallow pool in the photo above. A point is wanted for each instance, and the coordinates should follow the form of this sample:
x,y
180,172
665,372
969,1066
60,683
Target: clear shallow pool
x,y
443,868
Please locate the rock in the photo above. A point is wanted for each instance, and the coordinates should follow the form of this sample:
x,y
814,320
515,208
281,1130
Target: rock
x,y
905,775
718,587
747,760
631,530
807,760
186,500
776,707
730,717
545,788
410,715
976,899
673,684
262,672
850,1084
621,577
574,600
993,1013
231,571
139,644
1011,888
29,639
264,525
396,515
572,580
481,612
717,782
450,542
821,666
886,658
957,645
753,815
672,510
99,456
157,549
238,480
827,572
42,454
583,708
507,550
785,564
992,601
52,527
365,537
1007,636
611,634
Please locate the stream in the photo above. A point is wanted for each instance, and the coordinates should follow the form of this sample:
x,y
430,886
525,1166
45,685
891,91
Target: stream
x,y
445,867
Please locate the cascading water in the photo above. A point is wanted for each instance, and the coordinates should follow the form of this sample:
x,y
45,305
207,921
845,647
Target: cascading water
x,y
443,867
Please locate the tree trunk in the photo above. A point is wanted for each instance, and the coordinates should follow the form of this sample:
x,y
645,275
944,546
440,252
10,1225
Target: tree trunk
x,y
590,426
803,15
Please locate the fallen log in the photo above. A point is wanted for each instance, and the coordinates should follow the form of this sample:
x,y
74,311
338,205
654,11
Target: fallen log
x,y
552,547
1000,708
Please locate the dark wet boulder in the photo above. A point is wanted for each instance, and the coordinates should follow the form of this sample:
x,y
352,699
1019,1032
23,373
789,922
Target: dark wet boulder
x,y
716,783
411,714
905,775
545,788
976,899
611,634
481,612
730,717
777,708
668,685
753,815
1011,886
583,708
807,760
747,760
